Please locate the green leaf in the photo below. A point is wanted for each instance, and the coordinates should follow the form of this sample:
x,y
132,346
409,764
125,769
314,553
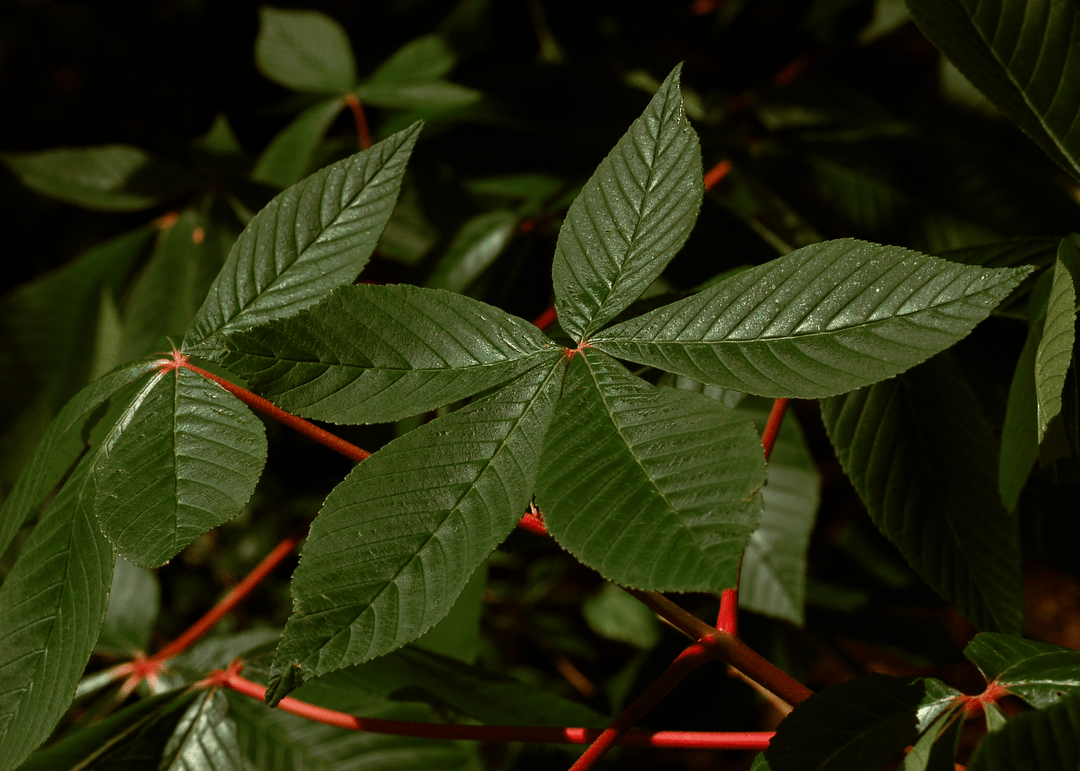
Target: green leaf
x,y
859,724
424,95
474,248
823,320
1042,740
936,748
653,487
205,737
304,51
59,448
51,605
425,58
921,454
615,615
106,178
1019,443
1056,345
313,237
396,542
458,634
1018,53
290,155
183,458
631,217
373,354
1039,673
133,608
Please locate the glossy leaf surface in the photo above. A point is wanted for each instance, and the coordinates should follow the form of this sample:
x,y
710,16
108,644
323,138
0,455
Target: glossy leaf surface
x,y
632,474
372,354
1039,673
304,51
313,237
823,320
920,452
631,217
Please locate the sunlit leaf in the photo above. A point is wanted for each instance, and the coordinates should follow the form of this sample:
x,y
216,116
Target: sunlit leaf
x,y
304,51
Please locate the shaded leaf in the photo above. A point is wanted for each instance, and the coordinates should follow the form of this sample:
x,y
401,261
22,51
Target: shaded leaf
x,y
936,748
823,320
106,178
373,354
134,602
313,237
1039,673
1019,442
421,95
396,542
458,634
920,453
615,615
290,154
1056,344
1042,740
632,474
1018,54
205,738
631,217
183,458
52,604
425,58
475,246
304,51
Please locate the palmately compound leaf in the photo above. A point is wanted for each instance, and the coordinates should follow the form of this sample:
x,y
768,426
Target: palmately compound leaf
x,y
183,458
1055,348
52,604
1020,54
655,488
859,724
304,51
373,354
1040,740
1039,673
823,320
312,238
396,542
631,217
922,456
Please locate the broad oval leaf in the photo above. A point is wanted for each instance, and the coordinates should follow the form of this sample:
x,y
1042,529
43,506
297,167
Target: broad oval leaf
x,y
373,354
1021,55
921,454
631,217
1039,673
52,604
655,488
289,155
313,237
1040,740
396,542
825,319
304,51
1055,348
183,458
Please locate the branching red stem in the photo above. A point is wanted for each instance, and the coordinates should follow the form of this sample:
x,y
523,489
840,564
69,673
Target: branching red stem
x,y
353,101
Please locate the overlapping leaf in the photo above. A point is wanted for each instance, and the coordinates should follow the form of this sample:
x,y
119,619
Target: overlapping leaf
x,y
631,218
304,50
315,236
632,474
823,320
396,541
920,453
1020,54
183,458
371,354
1041,740
1039,673
52,602
1055,349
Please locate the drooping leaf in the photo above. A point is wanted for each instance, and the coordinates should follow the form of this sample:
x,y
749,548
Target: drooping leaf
x,y
631,217
304,51
288,157
920,452
477,244
313,237
134,602
183,458
52,604
823,320
1039,673
205,738
373,354
1019,54
653,487
396,542
106,178
859,724
1041,740
1056,344
1019,441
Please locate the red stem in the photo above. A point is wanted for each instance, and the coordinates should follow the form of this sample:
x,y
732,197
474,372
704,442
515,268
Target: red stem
x,y
353,101
772,425
533,524
545,319
717,173
231,678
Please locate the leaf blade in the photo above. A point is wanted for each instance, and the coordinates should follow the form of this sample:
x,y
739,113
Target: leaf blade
x,y
1055,349
304,51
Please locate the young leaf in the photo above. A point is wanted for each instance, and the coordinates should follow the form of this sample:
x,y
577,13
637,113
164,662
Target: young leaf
x,y
859,724
52,602
1041,740
631,217
304,51
396,542
1056,345
205,737
823,320
106,178
1019,54
653,487
313,237
373,354
288,157
1039,673
183,458
921,455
